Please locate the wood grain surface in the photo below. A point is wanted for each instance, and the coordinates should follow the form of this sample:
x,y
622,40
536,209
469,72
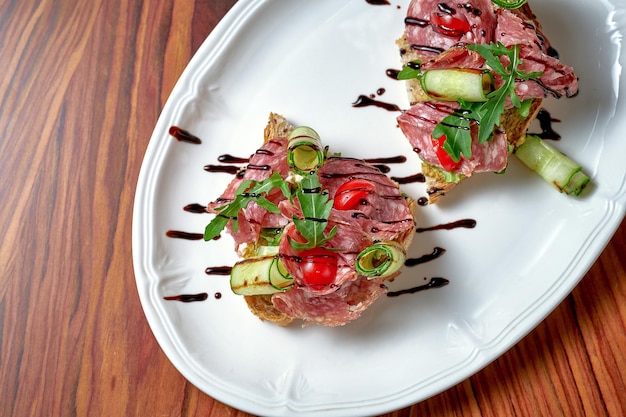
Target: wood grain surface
x,y
81,88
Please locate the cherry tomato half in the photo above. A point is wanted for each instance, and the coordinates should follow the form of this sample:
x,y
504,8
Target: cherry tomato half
x,y
350,194
446,160
319,267
449,25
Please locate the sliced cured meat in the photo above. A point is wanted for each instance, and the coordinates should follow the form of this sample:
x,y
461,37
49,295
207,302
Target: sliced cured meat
x,y
326,288
383,214
442,49
271,157
433,26
418,124
557,79
335,309
348,241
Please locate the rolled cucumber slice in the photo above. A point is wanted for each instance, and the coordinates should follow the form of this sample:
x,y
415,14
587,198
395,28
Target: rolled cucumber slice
x,y
305,151
555,168
380,260
471,85
257,276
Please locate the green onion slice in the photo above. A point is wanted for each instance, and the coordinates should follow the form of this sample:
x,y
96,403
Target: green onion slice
x,y
510,4
468,84
305,152
380,260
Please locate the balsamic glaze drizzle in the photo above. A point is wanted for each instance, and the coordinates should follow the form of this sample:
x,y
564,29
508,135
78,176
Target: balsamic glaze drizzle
x,y
545,122
228,169
229,159
187,298
379,163
195,208
218,270
435,282
412,178
184,136
365,101
436,253
464,223
177,234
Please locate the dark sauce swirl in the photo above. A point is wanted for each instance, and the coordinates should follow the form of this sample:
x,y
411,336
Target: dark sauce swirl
x,y
183,135
435,282
187,298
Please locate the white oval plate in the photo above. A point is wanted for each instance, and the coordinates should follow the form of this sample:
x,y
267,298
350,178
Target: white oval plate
x,y
309,60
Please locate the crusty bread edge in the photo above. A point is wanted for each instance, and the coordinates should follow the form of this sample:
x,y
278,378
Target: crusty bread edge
x,y
261,305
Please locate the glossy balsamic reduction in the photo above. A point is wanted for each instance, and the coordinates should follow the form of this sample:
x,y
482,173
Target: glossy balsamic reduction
x,y
436,253
400,159
188,298
378,2
392,73
218,270
545,122
228,169
230,159
435,282
177,234
380,163
410,179
464,223
365,101
195,208
184,136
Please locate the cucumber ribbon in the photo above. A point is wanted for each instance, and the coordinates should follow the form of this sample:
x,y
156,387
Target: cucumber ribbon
x,y
509,4
452,84
380,260
305,153
263,275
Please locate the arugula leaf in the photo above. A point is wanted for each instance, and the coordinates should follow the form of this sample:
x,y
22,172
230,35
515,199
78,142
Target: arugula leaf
x,y
458,137
411,70
247,191
486,114
315,206
272,236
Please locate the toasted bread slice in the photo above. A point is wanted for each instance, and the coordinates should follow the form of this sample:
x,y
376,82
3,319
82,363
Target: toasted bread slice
x,y
261,305
514,125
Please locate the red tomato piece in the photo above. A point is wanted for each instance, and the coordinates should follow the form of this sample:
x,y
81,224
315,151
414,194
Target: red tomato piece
x,y
319,267
446,160
449,25
351,193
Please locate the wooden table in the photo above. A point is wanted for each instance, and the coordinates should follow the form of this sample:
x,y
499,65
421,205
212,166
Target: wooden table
x,y
81,87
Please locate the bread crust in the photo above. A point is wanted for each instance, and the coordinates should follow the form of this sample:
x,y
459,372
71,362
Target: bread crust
x,y
261,305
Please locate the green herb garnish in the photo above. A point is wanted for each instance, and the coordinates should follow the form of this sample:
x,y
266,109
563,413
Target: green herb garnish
x,y
487,114
411,70
315,205
248,190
